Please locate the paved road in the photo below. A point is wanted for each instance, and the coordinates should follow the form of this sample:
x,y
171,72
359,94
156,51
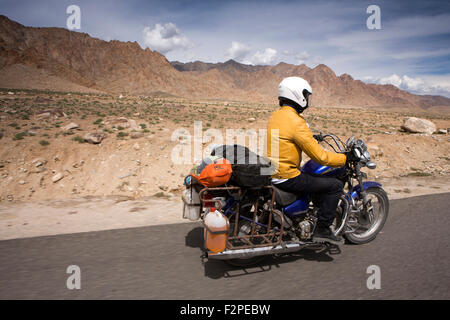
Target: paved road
x,y
163,262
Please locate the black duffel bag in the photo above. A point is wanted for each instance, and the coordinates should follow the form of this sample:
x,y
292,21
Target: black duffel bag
x,y
249,169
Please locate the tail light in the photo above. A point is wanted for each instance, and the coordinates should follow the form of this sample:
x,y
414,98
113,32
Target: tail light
x,y
208,204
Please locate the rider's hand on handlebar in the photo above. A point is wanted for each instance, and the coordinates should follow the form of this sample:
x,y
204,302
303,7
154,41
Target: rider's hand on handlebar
x,y
351,157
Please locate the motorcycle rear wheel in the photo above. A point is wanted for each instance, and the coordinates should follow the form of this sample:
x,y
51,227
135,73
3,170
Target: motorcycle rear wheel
x,y
243,262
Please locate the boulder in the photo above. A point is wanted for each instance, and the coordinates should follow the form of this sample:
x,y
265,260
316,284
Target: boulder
x,y
57,177
133,125
38,162
43,115
94,137
70,126
121,121
136,135
55,113
417,125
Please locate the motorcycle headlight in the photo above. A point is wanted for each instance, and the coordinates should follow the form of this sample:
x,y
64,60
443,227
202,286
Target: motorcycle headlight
x,y
366,155
357,153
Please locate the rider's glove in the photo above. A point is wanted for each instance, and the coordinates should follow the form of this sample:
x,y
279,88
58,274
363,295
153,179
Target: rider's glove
x,y
318,137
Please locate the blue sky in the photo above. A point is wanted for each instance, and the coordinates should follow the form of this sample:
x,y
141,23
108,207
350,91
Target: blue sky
x,y
411,50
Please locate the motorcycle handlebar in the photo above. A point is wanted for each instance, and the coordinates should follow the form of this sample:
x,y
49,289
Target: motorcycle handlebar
x,y
338,142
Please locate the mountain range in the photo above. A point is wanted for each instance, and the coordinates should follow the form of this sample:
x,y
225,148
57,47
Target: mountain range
x,y
63,60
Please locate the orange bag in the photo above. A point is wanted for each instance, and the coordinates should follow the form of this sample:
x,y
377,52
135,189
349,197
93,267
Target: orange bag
x,y
215,174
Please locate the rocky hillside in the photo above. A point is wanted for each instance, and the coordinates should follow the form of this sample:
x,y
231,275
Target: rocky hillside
x,y
79,60
329,89
62,60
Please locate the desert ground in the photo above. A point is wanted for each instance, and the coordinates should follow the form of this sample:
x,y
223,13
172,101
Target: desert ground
x,y
129,164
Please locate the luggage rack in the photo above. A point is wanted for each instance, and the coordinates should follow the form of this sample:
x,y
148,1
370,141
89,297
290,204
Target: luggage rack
x,y
272,237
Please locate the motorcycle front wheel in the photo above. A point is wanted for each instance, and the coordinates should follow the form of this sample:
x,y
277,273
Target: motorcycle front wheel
x,y
364,226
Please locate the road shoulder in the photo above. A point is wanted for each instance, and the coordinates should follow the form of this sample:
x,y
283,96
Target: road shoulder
x,y
86,214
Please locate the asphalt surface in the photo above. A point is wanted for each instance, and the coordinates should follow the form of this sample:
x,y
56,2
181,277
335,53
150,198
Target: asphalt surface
x,y
164,262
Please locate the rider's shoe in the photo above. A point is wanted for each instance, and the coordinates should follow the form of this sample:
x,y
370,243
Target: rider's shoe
x,y
322,234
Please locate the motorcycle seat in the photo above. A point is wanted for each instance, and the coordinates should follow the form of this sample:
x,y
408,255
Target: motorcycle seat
x,y
284,198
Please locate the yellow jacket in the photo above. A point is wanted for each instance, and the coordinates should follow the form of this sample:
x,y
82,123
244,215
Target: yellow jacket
x,y
294,137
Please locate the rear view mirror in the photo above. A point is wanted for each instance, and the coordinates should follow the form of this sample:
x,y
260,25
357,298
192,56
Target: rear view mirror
x,y
371,165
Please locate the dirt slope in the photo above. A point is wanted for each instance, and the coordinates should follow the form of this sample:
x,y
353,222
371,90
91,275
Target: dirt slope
x,y
41,159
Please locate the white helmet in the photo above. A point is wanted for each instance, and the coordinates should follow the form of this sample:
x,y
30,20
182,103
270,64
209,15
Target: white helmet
x,y
295,89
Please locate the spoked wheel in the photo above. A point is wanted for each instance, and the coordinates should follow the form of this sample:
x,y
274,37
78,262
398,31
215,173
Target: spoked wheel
x,y
341,215
364,226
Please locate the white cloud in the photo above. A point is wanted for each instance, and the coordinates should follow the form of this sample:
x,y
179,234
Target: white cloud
x,y
417,85
165,38
302,57
238,51
299,57
265,57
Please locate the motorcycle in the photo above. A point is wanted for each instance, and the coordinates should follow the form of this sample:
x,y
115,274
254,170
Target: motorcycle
x,y
264,221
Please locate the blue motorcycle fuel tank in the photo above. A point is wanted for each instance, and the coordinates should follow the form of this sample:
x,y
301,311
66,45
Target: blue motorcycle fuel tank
x,y
318,169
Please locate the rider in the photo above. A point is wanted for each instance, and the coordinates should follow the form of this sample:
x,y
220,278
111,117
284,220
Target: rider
x,y
288,128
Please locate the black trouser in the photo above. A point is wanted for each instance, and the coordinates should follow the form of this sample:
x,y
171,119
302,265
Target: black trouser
x,y
329,189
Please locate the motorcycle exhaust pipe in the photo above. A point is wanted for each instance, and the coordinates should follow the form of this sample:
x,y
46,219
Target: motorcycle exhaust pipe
x,y
259,251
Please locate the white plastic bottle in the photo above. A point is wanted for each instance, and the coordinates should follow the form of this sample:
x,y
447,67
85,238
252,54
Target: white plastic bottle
x,y
191,208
